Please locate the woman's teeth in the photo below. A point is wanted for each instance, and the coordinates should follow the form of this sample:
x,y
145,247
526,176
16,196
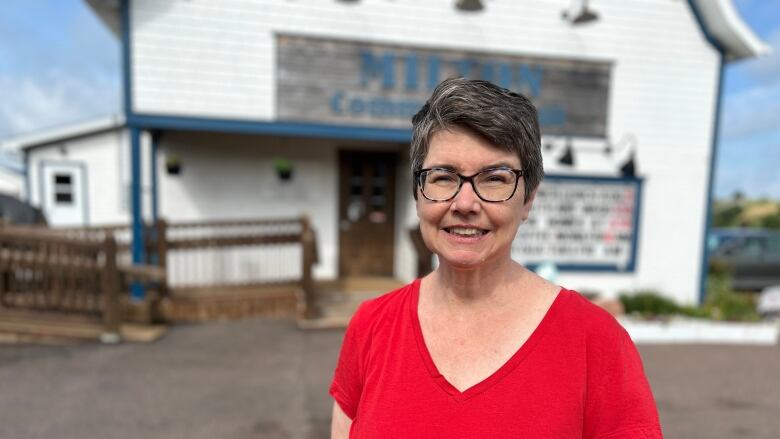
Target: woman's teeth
x,y
465,231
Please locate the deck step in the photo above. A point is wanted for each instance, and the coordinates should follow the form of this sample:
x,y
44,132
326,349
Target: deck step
x,y
338,300
48,331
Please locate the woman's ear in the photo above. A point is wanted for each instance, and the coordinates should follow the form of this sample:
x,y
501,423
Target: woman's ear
x,y
526,209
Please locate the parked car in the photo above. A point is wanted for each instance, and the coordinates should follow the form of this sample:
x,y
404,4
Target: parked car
x,y
16,211
753,258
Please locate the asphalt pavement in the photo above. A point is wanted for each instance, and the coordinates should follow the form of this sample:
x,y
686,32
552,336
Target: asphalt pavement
x,y
268,379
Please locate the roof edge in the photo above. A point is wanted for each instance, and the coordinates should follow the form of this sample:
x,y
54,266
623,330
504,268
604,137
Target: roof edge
x,y
108,12
62,132
722,22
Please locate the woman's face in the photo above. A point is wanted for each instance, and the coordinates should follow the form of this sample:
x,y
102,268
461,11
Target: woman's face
x,y
448,226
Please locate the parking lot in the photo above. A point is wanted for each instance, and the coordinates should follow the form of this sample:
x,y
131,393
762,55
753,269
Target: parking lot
x,y
267,379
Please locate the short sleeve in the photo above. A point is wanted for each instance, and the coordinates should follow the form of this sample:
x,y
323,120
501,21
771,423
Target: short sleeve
x,y
619,402
347,385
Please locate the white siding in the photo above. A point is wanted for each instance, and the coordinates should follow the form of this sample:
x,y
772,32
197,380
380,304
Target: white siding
x,y
106,161
217,59
233,177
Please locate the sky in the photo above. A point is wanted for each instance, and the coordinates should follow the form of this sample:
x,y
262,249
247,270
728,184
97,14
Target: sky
x,y
59,64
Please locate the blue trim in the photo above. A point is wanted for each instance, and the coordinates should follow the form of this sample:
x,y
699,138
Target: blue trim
x,y
126,57
594,179
137,290
137,246
278,128
705,254
270,128
637,216
153,164
595,268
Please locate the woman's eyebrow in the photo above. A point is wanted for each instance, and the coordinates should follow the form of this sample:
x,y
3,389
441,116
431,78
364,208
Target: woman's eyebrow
x,y
499,165
442,166
452,168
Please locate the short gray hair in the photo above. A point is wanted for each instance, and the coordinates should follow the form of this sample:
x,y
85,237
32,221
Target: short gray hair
x,y
506,119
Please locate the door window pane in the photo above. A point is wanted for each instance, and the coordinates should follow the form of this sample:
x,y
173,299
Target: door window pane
x,y
63,188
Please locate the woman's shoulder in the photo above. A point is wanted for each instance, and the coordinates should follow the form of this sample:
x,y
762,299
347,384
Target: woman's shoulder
x,y
390,304
588,317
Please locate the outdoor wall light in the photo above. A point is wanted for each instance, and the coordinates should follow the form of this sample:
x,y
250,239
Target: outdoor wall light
x,y
621,154
469,5
579,13
628,169
567,159
627,142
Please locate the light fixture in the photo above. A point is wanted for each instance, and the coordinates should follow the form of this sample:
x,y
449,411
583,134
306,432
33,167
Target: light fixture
x,y
567,158
628,168
579,13
469,5
617,150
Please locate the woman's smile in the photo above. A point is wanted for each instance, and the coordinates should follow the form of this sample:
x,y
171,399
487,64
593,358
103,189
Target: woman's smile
x,y
466,233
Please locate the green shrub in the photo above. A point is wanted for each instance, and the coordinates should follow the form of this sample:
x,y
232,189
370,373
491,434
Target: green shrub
x,y
724,304
648,303
699,312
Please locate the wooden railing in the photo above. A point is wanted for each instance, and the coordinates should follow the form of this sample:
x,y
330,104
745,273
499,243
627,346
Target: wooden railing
x,y
44,272
424,255
221,255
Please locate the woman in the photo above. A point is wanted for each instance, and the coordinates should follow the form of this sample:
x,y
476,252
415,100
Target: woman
x,y
483,347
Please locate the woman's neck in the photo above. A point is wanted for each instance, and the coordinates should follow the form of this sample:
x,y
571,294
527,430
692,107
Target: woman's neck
x,y
487,285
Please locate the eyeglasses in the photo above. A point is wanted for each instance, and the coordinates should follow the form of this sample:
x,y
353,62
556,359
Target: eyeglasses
x,y
492,185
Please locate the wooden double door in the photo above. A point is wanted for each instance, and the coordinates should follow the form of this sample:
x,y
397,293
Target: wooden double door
x,y
366,213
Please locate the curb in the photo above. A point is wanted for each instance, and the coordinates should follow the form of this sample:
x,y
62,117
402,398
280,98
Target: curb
x,y
692,331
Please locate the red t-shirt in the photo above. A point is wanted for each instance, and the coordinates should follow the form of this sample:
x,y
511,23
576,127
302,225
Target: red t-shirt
x,y
577,376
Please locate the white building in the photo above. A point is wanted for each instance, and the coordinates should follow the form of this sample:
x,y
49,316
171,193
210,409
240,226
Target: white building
x,y
234,94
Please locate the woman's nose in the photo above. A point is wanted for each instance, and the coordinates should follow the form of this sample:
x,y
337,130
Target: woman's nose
x,y
466,200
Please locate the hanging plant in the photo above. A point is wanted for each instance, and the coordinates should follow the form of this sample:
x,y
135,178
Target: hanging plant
x,y
284,168
172,165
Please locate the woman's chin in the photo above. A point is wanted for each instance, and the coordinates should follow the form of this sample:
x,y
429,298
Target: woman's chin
x,y
463,260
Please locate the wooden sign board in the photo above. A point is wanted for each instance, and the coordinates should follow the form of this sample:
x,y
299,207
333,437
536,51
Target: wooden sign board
x,y
379,85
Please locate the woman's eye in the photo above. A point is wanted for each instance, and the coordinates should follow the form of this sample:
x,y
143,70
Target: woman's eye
x,y
495,178
441,178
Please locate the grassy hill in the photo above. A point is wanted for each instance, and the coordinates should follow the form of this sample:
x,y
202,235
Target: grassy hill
x,y
740,212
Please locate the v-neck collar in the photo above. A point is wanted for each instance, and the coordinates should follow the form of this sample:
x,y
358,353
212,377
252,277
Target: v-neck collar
x,y
517,358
